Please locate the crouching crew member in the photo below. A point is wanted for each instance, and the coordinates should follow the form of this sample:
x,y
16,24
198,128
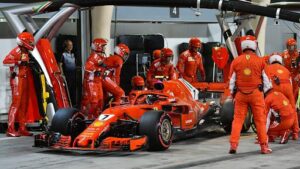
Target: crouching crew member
x,y
282,82
18,60
190,61
248,81
162,68
138,83
280,117
92,101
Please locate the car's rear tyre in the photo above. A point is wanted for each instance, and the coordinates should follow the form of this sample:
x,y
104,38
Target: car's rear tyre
x,y
68,122
246,126
227,114
158,128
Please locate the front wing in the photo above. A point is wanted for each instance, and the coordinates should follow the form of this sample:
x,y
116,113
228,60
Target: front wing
x,y
60,142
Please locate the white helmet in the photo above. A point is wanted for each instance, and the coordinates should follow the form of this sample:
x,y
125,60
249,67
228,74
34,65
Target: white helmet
x,y
275,58
248,42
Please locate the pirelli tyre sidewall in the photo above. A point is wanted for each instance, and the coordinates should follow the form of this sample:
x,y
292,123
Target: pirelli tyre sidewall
x,y
165,131
157,126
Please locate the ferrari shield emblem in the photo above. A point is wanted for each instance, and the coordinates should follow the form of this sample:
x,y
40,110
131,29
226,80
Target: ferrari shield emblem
x,y
247,71
279,71
248,57
220,56
276,93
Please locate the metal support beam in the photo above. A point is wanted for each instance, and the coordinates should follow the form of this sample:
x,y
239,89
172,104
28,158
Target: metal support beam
x,y
85,34
29,23
66,10
12,15
60,23
227,35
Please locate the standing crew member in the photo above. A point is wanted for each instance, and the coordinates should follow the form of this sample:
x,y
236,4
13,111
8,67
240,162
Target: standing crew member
x,y
280,116
290,58
92,100
248,81
117,60
111,82
163,68
18,60
282,82
190,61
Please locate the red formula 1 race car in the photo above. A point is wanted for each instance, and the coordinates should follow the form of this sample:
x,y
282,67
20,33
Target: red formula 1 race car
x,y
151,119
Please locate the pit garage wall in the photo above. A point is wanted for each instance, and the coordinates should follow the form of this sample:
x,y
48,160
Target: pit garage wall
x,y
277,34
133,20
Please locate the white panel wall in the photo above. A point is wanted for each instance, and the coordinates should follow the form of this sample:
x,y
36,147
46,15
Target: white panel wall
x,y
5,93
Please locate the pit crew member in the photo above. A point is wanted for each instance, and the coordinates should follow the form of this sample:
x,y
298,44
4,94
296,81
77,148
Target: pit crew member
x,y
247,82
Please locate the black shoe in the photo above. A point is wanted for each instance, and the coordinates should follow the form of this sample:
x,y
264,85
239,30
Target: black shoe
x,y
231,151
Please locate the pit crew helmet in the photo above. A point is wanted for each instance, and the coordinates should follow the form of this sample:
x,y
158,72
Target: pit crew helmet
x,y
26,40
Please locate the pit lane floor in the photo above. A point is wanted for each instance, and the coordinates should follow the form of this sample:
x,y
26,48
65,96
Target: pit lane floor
x,y
210,151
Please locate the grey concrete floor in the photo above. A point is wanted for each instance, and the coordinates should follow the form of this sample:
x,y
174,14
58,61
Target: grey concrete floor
x,y
199,152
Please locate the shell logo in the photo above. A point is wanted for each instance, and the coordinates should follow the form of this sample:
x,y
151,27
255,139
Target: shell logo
x,y
280,71
98,124
285,103
248,57
247,71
